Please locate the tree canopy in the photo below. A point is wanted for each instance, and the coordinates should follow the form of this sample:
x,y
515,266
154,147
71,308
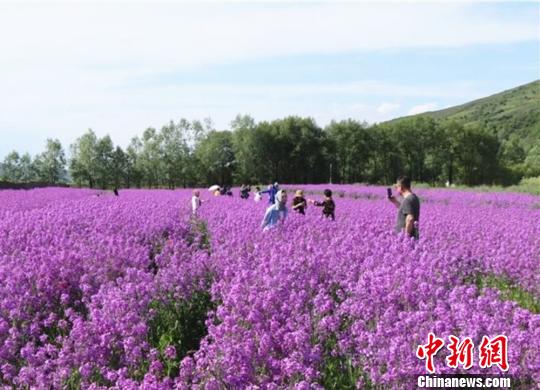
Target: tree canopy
x,y
289,150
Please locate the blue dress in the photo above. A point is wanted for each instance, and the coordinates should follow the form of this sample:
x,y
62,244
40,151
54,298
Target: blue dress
x,y
272,216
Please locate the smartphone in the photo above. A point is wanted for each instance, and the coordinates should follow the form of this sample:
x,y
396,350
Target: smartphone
x,y
388,193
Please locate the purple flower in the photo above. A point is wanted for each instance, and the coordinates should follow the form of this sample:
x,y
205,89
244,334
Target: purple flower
x,y
170,352
80,277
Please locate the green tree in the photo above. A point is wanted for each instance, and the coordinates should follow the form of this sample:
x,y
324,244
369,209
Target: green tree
x,y
416,140
352,149
83,162
532,161
385,163
304,150
51,164
448,156
477,156
11,170
28,168
243,134
151,158
175,154
134,172
104,162
119,168
243,122
216,159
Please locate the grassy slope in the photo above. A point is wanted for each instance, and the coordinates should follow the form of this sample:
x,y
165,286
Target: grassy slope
x,y
515,111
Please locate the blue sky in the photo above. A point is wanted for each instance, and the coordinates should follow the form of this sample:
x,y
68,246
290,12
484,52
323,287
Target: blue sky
x,y
122,67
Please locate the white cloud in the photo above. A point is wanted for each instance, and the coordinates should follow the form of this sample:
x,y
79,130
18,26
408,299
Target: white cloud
x,y
67,67
386,108
147,37
423,108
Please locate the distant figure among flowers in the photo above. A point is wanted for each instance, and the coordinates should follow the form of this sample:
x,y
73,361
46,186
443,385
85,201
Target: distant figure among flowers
x,y
328,205
276,212
271,191
195,201
408,209
299,203
244,191
258,196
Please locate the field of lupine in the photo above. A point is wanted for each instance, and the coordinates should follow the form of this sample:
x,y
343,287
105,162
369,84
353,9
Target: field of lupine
x,y
133,292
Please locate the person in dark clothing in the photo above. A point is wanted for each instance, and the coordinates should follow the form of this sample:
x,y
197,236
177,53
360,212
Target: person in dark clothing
x,y
408,215
115,191
299,202
244,191
328,205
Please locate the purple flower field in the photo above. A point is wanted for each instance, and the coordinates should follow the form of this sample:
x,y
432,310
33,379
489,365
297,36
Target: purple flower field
x,y
133,292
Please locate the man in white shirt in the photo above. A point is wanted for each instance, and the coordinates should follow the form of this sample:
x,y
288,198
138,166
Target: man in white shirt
x,y
195,201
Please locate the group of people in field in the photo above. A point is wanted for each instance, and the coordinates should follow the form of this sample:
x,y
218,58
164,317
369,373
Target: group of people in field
x,y
277,209
408,204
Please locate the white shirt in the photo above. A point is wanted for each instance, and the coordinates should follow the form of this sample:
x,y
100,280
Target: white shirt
x,y
195,203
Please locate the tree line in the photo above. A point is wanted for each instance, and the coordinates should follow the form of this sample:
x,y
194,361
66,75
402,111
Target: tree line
x,y
288,150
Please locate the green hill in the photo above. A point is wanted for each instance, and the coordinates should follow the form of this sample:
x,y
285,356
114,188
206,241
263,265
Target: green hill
x,y
514,113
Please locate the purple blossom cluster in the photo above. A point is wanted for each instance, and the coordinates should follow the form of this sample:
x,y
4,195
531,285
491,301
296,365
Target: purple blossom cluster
x,y
289,293
18,200
80,277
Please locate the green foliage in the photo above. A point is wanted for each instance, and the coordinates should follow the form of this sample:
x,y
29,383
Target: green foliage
x,y
48,166
531,164
292,150
119,166
351,150
514,111
10,167
181,324
340,373
530,185
243,128
199,234
83,163
476,155
215,157
156,159
73,382
510,291
103,160
51,163
513,118
175,154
